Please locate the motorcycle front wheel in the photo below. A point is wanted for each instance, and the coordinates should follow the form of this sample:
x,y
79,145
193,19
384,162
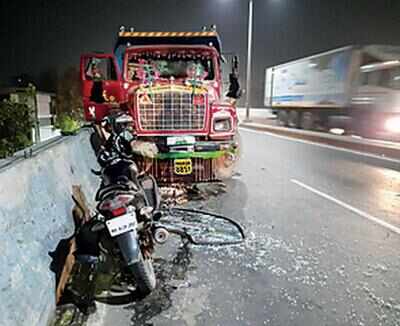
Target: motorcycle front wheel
x,y
143,273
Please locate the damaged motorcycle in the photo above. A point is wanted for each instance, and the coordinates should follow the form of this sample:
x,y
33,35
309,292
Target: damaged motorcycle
x,y
128,203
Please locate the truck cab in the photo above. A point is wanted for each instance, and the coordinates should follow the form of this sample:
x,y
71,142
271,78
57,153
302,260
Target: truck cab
x,y
376,100
171,85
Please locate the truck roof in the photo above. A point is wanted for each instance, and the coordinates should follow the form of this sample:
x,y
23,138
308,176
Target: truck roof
x,y
314,56
127,39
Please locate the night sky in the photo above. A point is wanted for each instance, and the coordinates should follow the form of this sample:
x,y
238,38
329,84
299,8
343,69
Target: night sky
x,y
43,37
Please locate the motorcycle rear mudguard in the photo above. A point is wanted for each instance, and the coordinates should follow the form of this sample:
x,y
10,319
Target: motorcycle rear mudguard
x,y
150,187
129,246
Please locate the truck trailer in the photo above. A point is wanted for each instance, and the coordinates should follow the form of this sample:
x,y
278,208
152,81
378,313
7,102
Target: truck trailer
x,y
354,88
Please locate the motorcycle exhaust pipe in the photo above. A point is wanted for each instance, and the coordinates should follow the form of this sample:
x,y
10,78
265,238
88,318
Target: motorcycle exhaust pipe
x,y
160,235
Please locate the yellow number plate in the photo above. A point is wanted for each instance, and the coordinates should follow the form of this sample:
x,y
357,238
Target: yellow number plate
x,y
183,166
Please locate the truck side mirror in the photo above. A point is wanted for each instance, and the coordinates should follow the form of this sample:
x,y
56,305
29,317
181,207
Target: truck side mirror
x,y
234,86
235,63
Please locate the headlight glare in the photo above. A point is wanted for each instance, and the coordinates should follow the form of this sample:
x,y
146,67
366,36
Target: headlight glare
x,y
393,125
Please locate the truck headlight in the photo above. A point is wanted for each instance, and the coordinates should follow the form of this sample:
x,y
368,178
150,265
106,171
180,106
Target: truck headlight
x,y
393,125
221,125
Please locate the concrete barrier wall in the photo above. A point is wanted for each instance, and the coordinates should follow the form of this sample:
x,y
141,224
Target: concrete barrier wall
x,y
35,214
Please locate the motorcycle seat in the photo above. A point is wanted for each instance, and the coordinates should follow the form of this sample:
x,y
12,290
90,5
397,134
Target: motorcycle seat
x,y
105,191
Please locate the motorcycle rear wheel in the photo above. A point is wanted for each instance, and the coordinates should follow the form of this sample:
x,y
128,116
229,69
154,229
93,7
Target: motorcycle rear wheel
x,y
143,273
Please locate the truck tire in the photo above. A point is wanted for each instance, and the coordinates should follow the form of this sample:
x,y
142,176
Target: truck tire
x,y
294,119
307,121
143,273
283,118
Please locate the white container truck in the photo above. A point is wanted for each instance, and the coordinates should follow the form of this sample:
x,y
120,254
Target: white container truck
x,y
356,88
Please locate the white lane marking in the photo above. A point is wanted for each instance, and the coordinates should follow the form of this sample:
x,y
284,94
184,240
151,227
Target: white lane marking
x,y
349,207
392,160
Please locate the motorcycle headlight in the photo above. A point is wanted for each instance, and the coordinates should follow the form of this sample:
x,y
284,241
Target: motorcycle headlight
x,y
221,125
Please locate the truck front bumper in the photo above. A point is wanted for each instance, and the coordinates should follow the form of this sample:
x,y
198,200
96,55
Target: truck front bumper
x,y
207,162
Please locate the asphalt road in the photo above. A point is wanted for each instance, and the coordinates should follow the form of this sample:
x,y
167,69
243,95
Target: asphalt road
x,y
323,243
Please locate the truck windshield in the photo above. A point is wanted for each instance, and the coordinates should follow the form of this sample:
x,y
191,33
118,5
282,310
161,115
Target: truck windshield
x,y
394,78
387,78
187,67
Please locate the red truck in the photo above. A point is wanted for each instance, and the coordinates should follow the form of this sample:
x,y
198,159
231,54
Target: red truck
x,y
171,83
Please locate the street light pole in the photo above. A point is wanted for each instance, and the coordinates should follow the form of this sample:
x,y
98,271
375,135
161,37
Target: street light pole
x,y
248,69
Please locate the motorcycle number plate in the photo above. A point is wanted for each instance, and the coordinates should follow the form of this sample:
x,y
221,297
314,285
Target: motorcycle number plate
x,y
183,166
121,224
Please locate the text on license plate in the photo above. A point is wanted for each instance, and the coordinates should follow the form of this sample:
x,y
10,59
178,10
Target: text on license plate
x,y
183,166
121,224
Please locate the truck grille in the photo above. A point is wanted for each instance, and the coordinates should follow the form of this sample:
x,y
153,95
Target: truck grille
x,y
171,110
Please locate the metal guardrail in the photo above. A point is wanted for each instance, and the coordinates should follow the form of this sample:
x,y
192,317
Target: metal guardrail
x,y
34,150
29,152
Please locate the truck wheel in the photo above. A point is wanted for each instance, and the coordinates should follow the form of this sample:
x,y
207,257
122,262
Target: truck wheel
x,y
294,119
307,121
283,118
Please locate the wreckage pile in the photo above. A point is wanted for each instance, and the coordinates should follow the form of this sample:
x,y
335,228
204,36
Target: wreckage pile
x,y
180,194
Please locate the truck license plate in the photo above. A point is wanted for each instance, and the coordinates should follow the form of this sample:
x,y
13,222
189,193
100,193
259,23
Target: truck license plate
x,y
183,166
180,140
121,224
